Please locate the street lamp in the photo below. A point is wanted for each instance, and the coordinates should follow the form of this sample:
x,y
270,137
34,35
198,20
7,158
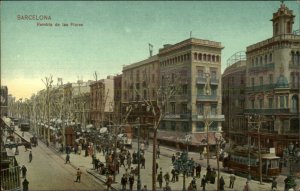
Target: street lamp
x,y
183,165
187,141
293,155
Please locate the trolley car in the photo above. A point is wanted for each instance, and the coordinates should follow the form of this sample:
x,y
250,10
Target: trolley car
x,y
240,160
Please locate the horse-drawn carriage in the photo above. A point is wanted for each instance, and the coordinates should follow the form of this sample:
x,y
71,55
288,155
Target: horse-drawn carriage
x,y
34,141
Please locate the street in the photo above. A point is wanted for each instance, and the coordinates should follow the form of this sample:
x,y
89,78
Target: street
x,y
48,170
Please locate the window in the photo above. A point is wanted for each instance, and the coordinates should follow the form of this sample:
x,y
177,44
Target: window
x,y
252,104
163,125
270,103
185,126
200,90
200,109
195,56
270,57
208,57
213,58
252,62
293,57
173,125
261,60
261,103
172,108
281,102
214,91
213,126
204,57
184,108
200,73
153,78
266,59
213,74
270,78
199,56
261,81
200,126
276,28
217,58
256,61
213,109
184,89
252,82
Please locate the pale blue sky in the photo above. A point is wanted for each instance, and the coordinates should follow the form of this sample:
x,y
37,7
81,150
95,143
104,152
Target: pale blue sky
x,y
118,33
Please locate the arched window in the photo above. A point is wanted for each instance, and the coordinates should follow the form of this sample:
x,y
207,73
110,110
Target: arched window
x,y
270,57
184,57
175,59
213,58
288,27
200,56
195,56
266,59
293,57
295,104
208,57
298,58
256,61
188,57
261,60
204,57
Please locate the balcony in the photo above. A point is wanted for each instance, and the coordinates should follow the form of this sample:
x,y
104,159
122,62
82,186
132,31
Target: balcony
x,y
201,80
262,68
294,65
260,88
210,117
177,116
269,111
207,98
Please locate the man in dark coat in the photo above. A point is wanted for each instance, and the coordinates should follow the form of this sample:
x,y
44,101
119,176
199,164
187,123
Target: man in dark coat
x,y
222,183
160,179
25,185
30,156
67,159
124,182
78,175
203,182
198,171
131,181
24,170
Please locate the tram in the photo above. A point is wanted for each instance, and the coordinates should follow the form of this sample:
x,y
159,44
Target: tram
x,y
242,160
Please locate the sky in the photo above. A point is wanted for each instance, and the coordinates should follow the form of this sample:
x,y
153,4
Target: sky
x,y
114,34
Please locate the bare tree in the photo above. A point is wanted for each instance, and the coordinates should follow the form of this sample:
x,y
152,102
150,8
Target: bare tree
x,y
48,83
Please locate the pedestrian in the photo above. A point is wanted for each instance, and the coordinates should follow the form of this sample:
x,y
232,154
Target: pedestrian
x,y
25,185
144,188
203,182
47,143
247,187
142,148
222,183
176,175
173,175
124,182
78,175
231,180
23,170
157,152
213,176
167,177
193,182
156,167
131,182
128,160
198,170
109,181
274,184
30,156
143,161
68,159
160,179
190,187
173,158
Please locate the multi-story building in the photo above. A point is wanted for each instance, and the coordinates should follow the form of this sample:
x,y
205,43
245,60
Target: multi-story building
x,y
140,81
4,102
193,67
233,99
272,83
117,116
102,101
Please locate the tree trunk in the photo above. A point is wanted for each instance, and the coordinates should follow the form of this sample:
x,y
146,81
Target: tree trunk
x,y
154,160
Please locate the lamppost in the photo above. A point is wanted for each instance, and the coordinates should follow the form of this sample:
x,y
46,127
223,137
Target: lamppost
x,y
187,141
183,165
293,155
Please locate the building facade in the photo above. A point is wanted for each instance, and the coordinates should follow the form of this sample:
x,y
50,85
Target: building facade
x,y
272,83
233,99
101,101
140,81
193,66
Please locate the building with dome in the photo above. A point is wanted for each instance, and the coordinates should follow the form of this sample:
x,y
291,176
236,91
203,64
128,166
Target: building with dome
x,y
272,85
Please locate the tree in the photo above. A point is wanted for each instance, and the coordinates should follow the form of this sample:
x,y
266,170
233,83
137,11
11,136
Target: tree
x,y
48,83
